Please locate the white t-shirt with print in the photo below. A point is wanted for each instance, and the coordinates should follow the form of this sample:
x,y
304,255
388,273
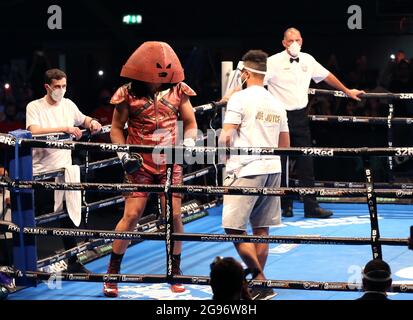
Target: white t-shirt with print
x,y
41,113
261,118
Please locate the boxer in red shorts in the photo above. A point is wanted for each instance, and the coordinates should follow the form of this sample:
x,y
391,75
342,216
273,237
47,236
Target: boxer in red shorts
x,y
154,100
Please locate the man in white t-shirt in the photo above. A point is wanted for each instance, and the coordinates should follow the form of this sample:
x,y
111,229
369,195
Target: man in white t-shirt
x,y
254,118
288,78
54,113
51,114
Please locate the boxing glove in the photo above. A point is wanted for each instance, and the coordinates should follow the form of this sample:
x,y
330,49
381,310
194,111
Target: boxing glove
x,y
130,162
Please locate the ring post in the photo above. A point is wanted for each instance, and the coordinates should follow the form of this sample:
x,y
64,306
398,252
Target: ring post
x,y
372,205
169,226
227,67
390,140
22,205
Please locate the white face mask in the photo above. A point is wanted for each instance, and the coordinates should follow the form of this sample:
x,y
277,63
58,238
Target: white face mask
x,y
294,49
57,94
243,81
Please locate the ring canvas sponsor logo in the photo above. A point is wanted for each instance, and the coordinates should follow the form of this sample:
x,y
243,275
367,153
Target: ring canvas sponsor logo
x,y
310,224
283,248
161,291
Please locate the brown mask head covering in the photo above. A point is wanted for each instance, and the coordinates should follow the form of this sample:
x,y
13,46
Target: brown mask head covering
x,y
154,62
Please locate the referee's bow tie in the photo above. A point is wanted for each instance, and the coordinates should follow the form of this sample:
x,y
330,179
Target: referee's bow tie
x,y
296,60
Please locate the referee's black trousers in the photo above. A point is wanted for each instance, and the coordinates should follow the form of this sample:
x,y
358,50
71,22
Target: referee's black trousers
x,y
300,136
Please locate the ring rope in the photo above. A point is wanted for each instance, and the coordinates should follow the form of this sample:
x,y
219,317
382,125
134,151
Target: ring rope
x,y
297,151
49,217
198,280
200,237
360,120
199,189
114,161
352,185
369,95
72,252
145,224
106,202
92,166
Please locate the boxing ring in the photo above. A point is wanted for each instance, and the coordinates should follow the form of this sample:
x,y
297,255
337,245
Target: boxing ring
x,y
303,250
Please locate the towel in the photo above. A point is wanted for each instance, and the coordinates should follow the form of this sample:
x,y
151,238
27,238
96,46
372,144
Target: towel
x,y
73,198
5,208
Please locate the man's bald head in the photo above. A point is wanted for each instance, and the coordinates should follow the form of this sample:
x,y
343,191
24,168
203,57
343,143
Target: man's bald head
x,y
291,30
292,35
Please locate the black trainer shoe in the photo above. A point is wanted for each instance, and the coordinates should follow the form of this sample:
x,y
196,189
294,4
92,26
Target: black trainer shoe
x,y
77,267
319,213
262,293
287,212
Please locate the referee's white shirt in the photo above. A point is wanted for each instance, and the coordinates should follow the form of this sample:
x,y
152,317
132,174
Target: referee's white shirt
x,y
261,118
289,81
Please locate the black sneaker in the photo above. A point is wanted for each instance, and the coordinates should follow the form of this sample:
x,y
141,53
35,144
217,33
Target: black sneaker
x,y
318,213
77,267
262,293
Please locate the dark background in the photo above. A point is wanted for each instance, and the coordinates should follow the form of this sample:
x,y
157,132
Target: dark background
x,y
202,32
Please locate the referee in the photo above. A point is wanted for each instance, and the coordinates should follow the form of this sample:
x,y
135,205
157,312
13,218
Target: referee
x,y
288,79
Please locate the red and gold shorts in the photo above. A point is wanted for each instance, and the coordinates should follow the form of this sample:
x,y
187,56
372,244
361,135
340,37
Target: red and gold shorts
x,y
143,176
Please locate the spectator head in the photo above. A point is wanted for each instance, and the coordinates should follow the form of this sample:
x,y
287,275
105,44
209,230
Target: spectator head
x,y
55,84
400,56
377,276
227,279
